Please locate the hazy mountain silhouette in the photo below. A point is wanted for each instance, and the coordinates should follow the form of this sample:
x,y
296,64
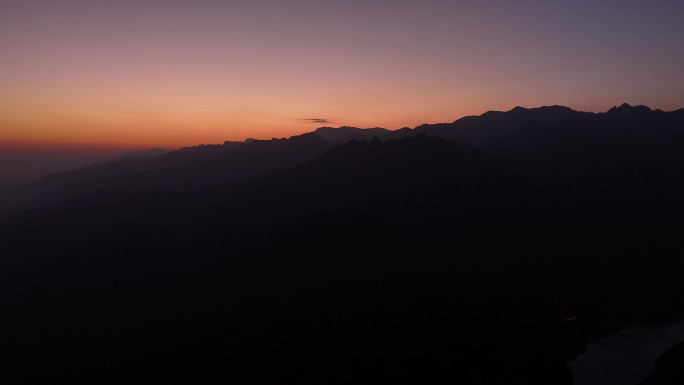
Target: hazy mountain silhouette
x,y
344,134
187,168
204,165
490,256
152,152
494,125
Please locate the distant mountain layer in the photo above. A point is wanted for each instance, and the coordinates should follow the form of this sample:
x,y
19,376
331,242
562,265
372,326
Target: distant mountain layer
x,y
152,152
489,250
206,165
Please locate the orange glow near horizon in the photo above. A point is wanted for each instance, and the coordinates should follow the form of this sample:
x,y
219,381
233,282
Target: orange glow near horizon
x,y
139,118
137,75
80,127
136,120
173,132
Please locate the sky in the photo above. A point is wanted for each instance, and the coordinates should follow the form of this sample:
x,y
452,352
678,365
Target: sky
x,y
171,73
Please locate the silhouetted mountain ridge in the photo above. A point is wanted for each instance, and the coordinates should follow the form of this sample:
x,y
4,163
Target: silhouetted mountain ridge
x,y
345,133
205,165
493,125
409,260
152,152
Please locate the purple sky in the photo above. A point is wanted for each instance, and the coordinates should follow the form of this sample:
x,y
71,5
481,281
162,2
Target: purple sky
x,y
171,73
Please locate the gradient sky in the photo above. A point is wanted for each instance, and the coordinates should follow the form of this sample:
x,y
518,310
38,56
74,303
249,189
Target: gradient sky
x,y
140,73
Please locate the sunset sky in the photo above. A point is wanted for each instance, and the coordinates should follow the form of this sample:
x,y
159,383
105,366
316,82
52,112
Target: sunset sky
x,y
141,73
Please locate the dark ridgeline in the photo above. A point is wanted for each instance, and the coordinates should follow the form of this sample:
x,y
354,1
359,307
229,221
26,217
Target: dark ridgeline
x,y
483,251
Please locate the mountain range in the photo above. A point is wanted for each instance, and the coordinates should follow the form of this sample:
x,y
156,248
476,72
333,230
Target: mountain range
x,y
484,251
498,132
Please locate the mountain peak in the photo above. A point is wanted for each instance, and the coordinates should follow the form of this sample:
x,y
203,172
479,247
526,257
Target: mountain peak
x,y
621,107
626,108
345,133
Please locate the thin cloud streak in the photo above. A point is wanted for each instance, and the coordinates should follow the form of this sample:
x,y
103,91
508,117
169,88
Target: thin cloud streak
x,y
317,120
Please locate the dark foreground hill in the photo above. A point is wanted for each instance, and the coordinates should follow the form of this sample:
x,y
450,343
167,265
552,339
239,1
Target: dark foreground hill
x,y
412,260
